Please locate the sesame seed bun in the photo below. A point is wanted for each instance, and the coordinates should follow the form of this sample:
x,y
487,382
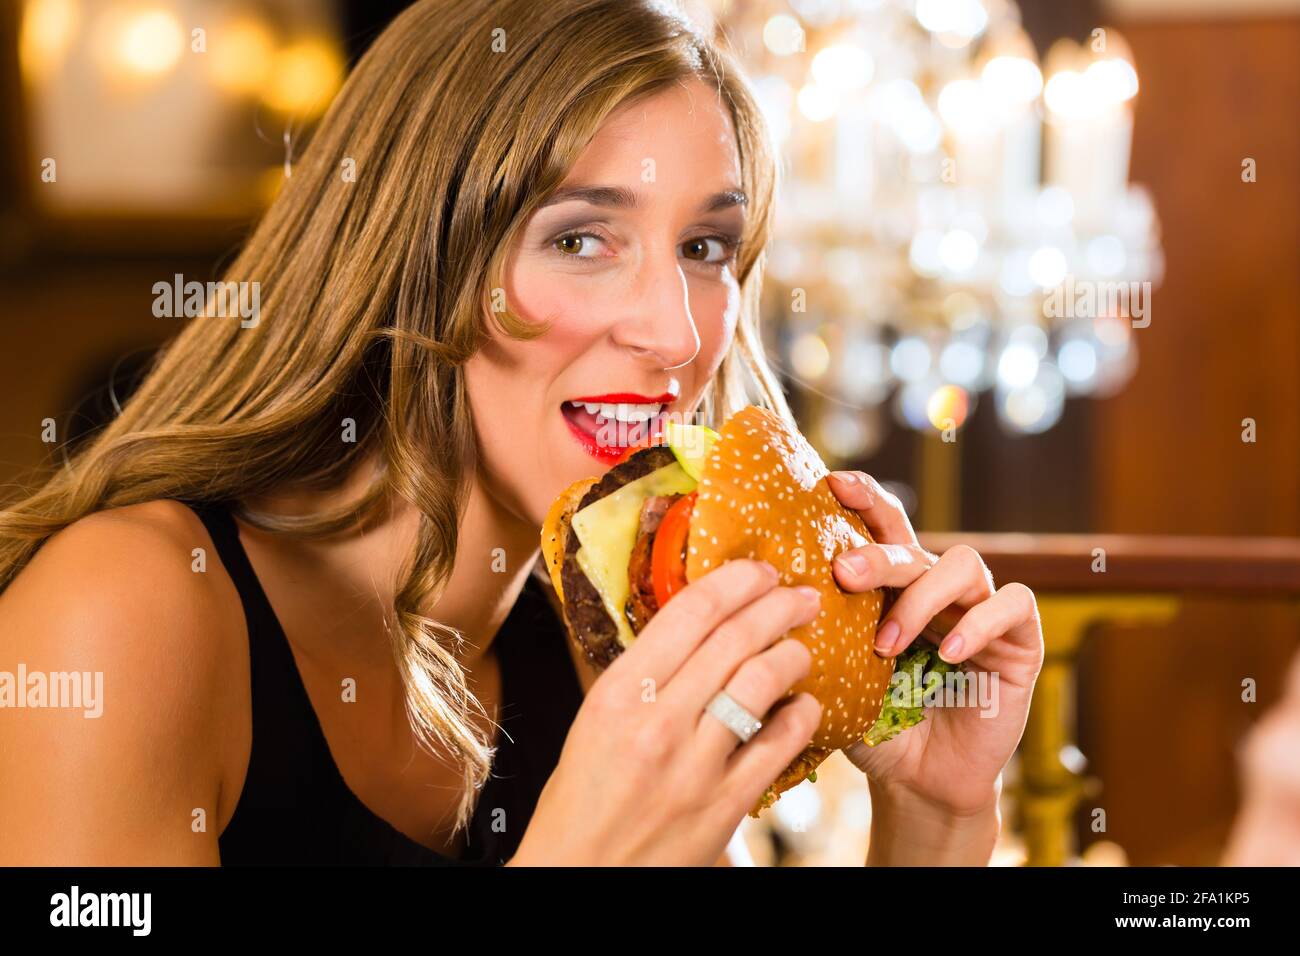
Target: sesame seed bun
x,y
763,495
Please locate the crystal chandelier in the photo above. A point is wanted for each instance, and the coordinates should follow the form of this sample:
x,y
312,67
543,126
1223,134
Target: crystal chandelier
x,y
951,224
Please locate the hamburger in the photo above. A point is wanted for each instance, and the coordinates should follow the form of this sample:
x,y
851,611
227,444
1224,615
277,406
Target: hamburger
x,y
620,546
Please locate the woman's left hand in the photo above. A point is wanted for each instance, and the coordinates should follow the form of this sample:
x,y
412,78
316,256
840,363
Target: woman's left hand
x,y
953,759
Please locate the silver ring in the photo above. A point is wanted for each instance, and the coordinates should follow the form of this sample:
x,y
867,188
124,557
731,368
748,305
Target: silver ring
x,y
734,716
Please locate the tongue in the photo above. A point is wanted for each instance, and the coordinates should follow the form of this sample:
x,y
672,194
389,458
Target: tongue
x,y
607,431
584,419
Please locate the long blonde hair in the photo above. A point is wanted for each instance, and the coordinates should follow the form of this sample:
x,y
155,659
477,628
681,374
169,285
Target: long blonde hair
x,y
375,290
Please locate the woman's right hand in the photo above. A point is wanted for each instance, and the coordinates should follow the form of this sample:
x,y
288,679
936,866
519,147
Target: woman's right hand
x,y
647,776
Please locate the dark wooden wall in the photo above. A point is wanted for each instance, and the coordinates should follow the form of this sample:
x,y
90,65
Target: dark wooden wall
x,y
1162,708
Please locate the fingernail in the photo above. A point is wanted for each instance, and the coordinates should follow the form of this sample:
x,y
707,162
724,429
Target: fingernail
x,y
811,594
887,636
770,570
950,649
853,562
848,477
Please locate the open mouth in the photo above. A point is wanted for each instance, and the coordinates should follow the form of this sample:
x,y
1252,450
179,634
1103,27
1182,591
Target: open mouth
x,y
606,426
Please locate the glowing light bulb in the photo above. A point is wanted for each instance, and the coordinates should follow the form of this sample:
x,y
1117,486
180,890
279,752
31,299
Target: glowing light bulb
x,y
964,106
958,250
1037,406
1077,359
962,363
240,55
1018,365
910,359
148,42
304,77
948,407
924,252
783,35
1066,95
1012,79
1048,267
961,19
816,102
45,35
810,356
919,131
843,67
1111,81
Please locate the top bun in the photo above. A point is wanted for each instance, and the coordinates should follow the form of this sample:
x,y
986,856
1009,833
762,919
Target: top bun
x,y
763,495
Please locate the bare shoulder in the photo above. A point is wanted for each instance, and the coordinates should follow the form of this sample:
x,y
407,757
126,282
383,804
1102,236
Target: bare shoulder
x,y
130,638
139,572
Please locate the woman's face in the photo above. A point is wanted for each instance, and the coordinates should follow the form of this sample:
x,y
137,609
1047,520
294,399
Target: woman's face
x,y
632,261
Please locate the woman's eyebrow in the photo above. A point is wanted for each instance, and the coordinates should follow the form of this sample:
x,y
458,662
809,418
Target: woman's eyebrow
x,y
620,197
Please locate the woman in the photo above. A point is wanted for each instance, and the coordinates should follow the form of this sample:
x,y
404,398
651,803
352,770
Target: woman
x,y
301,555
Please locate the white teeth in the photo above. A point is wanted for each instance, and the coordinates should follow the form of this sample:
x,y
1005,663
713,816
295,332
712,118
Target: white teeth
x,y
622,412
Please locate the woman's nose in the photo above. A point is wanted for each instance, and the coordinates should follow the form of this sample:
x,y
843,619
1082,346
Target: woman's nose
x,y
658,324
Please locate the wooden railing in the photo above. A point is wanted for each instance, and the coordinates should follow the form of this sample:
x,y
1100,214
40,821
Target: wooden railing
x,y
1082,581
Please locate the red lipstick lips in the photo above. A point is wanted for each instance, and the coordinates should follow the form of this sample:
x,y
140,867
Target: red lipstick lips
x,y
629,398
608,439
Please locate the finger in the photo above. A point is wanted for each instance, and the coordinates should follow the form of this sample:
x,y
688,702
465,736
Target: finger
x,y
959,577
884,514
1012,613
761,682
882,565
747,633
682,624
752,768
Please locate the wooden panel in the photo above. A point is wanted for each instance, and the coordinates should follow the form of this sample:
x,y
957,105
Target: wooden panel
x,y
1162,710
1179,563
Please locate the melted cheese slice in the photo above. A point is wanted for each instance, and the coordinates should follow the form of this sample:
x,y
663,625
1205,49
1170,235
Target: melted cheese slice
x,y
607,531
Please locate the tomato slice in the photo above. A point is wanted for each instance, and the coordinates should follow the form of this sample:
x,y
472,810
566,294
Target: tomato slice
x,y
668,553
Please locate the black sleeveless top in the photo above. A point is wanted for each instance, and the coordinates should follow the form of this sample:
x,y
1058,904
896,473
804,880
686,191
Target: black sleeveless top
x,y
296,808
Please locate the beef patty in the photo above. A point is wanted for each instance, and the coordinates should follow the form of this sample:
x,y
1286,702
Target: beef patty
x,y
583,608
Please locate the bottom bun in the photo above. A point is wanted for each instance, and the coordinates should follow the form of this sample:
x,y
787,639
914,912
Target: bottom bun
x,y
792,776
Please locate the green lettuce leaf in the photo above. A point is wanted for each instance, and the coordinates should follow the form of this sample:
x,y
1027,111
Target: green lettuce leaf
x,y
903,706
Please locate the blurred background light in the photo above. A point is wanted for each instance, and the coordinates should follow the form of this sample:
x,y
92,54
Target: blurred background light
x,y
1012,79
143,41
783,35
1047,267
961,19
910,359
948,407
45,34
816,102
240,55
810,356
842,67
1034,406
304,77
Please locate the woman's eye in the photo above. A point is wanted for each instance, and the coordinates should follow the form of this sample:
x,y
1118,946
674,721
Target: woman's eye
x,y
699,249
575,244
706,250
